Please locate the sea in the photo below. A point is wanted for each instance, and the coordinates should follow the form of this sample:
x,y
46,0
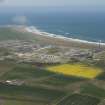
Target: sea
x,y
88,26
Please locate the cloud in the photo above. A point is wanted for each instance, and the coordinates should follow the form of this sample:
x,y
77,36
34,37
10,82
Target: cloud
x,y
20,19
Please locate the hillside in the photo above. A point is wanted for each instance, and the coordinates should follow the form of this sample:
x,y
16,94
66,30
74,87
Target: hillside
x,y
10,34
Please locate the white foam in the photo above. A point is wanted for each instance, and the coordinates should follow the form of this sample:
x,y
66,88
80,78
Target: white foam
x,y
33,29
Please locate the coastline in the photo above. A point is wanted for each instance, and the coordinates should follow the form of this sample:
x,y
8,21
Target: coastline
x,y
54,39
34,30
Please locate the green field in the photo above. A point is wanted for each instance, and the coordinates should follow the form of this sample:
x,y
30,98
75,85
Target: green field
x,y
6,66
61,80
93,90
29,93
21,102
25,72
77,99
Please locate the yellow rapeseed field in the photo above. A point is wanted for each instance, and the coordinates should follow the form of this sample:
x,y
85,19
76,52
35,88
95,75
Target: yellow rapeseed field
x,y
79,70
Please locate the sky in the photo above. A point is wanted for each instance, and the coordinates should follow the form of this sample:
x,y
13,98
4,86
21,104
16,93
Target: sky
x,y
94,3
68,4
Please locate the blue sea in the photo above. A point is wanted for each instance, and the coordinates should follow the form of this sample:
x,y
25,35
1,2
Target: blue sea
x,y
88,26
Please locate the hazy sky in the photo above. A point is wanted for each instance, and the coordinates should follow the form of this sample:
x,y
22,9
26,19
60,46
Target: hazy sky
x,y
95,4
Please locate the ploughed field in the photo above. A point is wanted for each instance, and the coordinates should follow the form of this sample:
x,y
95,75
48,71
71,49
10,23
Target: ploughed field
x,y
44,87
